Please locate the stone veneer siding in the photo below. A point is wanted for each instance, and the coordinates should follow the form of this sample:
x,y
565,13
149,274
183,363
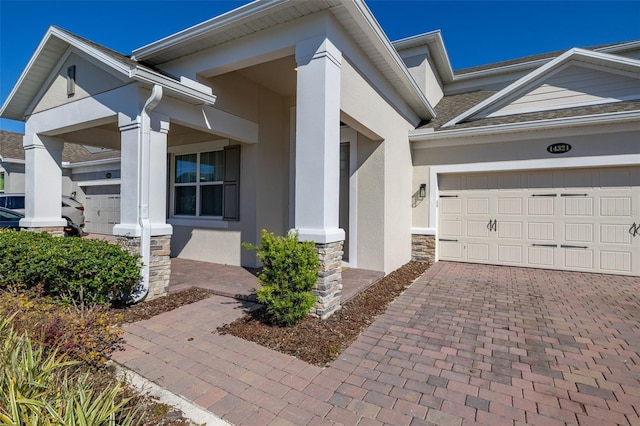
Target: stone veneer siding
x,y
328,289
423,248
159,262
56,231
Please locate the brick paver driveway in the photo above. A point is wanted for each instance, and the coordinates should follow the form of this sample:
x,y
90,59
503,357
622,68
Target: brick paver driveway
x,y
465,343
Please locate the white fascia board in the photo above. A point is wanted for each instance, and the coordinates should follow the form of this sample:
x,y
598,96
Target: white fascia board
x,y
91,163
427,138
201,96
572,54
367,23
233,17
99,182
12,160
435,43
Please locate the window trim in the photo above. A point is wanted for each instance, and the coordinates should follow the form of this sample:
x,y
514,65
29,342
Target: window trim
x,y
198,148
4,182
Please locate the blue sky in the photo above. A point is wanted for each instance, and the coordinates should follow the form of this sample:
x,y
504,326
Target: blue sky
x,y
475,32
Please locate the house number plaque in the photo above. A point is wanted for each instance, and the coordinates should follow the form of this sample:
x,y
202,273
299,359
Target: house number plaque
x,y
559,148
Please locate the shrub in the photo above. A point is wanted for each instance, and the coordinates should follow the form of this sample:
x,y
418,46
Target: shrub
x,y
90,335
289,273
39,387
73,269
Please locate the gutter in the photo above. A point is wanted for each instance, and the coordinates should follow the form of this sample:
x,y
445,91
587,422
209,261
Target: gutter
x,y
144,165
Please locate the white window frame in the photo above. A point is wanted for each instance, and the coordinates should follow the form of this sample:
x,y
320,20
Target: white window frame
x,y
197,149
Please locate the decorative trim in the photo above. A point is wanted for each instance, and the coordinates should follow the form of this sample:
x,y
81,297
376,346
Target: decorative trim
x,y
423,231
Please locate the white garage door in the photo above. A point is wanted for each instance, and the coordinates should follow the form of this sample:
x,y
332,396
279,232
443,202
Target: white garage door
x,y
577,220
102,211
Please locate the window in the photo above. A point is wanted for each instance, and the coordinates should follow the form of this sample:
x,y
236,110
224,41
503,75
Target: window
x,y
203,180
1,181
198,184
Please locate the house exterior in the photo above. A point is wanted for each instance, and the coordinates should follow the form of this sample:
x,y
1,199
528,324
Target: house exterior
x,y
287,115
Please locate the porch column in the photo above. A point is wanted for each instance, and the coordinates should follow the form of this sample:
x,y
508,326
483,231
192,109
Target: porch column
x,y
145,206
317,161
43,184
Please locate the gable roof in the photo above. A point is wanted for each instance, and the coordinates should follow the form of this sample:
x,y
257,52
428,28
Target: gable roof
x,y
353,15
54,47
571,56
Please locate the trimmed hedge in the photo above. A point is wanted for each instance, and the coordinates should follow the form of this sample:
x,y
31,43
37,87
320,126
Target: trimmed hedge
x,y
289,273
74,270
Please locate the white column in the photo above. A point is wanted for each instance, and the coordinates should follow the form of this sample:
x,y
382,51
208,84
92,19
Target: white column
x,y
43,181
317,150
130,170
158,176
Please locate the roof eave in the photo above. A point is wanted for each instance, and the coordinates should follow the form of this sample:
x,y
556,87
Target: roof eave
x,y
429,135
435,42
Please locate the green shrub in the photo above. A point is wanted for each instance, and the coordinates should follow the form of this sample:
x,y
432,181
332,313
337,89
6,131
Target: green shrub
x,y
90,335
289,273
73,269
39,387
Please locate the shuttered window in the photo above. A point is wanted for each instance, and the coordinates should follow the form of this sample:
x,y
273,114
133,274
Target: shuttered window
x,y
206,184
1,181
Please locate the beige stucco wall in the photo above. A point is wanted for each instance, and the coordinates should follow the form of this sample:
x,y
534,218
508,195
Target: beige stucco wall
x,y
13,177
420,206
90,80
519,148
363,107
264,178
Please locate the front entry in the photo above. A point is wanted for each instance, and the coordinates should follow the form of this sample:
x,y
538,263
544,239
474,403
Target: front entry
x,y
344,197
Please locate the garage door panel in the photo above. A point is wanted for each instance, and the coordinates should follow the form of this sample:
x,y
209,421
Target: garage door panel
x,y
478,252
575,206
478,206
477,229
450,206
510,206
540,180
451,228
540,206
615,261
615,206
578,258
451,250
578,232
541,256
510,254
615,234
540,231
511,230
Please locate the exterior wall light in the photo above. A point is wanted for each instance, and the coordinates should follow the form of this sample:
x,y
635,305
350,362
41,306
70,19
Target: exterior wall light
x,y
423,191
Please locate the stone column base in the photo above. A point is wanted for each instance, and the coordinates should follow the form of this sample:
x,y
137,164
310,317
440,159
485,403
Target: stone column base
x,y
328,289
159,262
56,231
423,248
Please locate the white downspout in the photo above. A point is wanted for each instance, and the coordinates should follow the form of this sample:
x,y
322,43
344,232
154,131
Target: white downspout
x,y
144,150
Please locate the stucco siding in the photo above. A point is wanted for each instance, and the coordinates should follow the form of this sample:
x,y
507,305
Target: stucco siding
x,y
367,112
90,80
207,245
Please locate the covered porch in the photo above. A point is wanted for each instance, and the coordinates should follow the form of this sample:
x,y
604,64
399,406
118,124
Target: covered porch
x,y
241,283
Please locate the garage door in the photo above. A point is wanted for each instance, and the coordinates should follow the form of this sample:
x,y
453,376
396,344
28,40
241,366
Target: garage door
x,y
102,209
577,220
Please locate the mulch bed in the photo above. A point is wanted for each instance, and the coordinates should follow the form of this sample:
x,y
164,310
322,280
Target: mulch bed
x,y
151,308
319,341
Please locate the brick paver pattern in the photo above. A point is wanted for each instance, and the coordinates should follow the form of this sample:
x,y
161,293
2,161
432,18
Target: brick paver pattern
x,y
464,344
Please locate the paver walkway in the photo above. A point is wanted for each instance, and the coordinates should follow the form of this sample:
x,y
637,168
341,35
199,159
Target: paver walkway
x,y
464,344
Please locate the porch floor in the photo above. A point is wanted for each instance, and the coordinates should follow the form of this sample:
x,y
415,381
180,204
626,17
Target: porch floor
x,y
241,283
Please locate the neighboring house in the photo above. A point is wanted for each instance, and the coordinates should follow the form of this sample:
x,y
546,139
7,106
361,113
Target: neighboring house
x,y
303,115
91,175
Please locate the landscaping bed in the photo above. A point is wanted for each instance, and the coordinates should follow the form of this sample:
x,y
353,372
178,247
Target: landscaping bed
x,y
319,341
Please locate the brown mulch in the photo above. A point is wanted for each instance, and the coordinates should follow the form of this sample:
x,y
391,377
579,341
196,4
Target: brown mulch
x,y
319,341
147,309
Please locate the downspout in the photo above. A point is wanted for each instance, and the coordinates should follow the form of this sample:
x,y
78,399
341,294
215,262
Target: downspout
x,y
144,166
